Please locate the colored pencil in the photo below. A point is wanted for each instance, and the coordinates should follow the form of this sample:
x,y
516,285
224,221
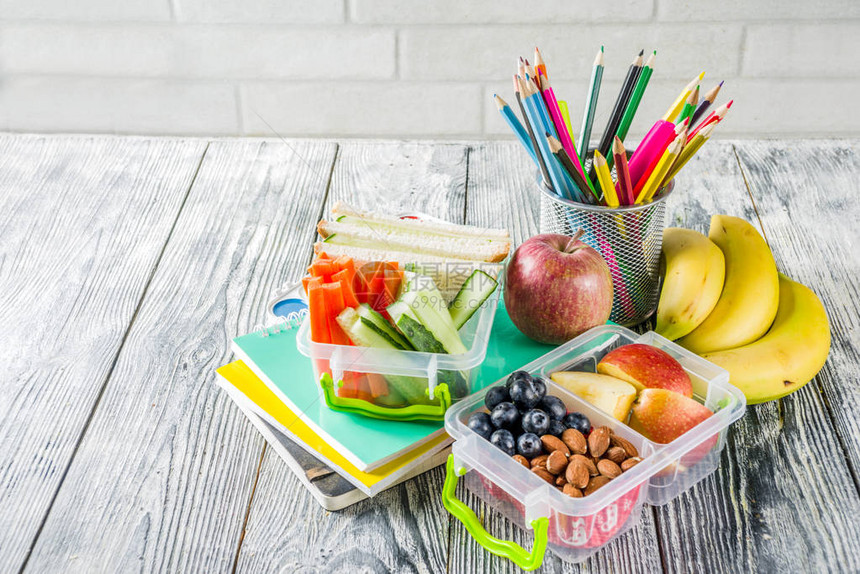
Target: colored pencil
x,y
521,67
689,106
558,121
541,163
715,116
678,104
565,114
605,179
529,70
636,98
655,153
661,169
591,103
621,102
623,187
540,65
537,115
557,149
706,102
515,126
689,151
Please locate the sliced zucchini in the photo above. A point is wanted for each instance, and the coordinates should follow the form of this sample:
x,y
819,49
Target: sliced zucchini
x,y
370,317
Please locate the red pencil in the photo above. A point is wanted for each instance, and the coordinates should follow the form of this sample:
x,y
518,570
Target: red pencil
x,y
623,186
714,116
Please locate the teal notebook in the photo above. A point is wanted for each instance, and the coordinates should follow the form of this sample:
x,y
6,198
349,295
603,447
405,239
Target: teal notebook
x,y
365,442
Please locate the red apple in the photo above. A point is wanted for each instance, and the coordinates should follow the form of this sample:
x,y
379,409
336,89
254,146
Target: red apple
x,y
646,367
557,287
663,416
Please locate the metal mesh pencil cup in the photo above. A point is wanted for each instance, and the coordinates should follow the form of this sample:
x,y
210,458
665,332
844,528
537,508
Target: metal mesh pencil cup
x,y
629,238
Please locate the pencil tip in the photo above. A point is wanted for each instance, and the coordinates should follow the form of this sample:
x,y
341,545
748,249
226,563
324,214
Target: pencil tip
x,y
642,51
721,83
601,47
702,75
728,105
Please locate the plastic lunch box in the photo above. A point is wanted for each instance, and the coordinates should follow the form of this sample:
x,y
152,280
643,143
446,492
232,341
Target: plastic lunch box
x,y
332,362
575,528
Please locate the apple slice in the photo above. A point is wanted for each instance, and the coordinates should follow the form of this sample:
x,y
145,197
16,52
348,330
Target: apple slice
x,y
663,416
609,394
646,367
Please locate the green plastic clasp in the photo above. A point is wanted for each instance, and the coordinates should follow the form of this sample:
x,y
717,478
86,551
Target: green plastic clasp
x,y
504,548
365,408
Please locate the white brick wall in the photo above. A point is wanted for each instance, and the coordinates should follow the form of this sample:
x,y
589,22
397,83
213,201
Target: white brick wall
x,y
387,68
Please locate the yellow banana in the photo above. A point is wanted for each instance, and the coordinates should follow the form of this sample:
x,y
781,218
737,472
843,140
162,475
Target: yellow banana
x,y
695,270
750,294
789,355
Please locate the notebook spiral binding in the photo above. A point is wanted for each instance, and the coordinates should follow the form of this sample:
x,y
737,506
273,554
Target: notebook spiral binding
x,y
285,323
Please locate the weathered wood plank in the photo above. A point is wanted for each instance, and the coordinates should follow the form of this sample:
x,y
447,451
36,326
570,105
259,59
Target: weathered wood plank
x,y
163,476
406,527
502,192
83,221
782,498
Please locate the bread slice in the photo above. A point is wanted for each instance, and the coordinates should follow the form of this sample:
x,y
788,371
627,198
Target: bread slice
x,y
362,233
447,273
345,213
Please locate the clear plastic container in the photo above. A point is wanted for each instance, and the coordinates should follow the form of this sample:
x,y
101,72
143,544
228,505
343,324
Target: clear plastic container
x,y
575,528
415,374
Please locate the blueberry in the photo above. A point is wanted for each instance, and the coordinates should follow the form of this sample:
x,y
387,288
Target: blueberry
x,y
536,421
529,445
516,376
505,416
482,424
504,440
577,421
539,386
556,428
553,406
524,394
495,396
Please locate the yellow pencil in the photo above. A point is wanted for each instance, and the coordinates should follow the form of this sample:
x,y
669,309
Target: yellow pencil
x,y
605,179
689,151
661,169
678,104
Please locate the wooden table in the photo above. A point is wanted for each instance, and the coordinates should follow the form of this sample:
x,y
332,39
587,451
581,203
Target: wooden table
x,y
127,264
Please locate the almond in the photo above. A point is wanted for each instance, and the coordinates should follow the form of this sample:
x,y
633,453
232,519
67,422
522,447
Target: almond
x,y
628,447
553,443
598,441
595,483
522,460
577,473
589,464
572,491
560,480
608,468
544,475
538,461
556,462
616,454
575,441
630,463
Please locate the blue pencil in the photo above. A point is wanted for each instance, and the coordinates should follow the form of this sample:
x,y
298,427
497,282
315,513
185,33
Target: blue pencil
x,y
515,126
560,181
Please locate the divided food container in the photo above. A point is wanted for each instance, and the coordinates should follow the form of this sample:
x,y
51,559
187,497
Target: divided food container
x,y
575,528
430,382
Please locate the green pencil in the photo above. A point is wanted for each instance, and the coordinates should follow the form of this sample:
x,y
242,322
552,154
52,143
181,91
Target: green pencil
x,y
591,104
635,99
689,106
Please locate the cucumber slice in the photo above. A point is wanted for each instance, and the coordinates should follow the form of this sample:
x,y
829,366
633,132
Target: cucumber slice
x,y
429,330
477,289
380,324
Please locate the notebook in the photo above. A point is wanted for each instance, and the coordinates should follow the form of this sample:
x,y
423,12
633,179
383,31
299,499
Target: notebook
x,y
279,425
365,442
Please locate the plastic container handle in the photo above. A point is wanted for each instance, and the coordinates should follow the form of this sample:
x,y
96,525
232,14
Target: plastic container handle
x,y
365,408
504,548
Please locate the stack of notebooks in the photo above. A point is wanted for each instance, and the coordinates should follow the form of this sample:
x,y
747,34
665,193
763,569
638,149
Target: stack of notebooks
x,y
343,458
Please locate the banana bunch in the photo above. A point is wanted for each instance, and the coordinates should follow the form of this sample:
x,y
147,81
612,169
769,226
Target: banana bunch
x,y
723,299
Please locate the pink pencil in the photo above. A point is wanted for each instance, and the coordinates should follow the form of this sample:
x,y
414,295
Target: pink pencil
x,y
560,126
652,147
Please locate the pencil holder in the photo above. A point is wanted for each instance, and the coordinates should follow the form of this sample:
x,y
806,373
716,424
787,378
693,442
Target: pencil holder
x,y
629,238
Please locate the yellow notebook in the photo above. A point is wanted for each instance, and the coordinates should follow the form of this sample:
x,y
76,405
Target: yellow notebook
x,y
241,382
